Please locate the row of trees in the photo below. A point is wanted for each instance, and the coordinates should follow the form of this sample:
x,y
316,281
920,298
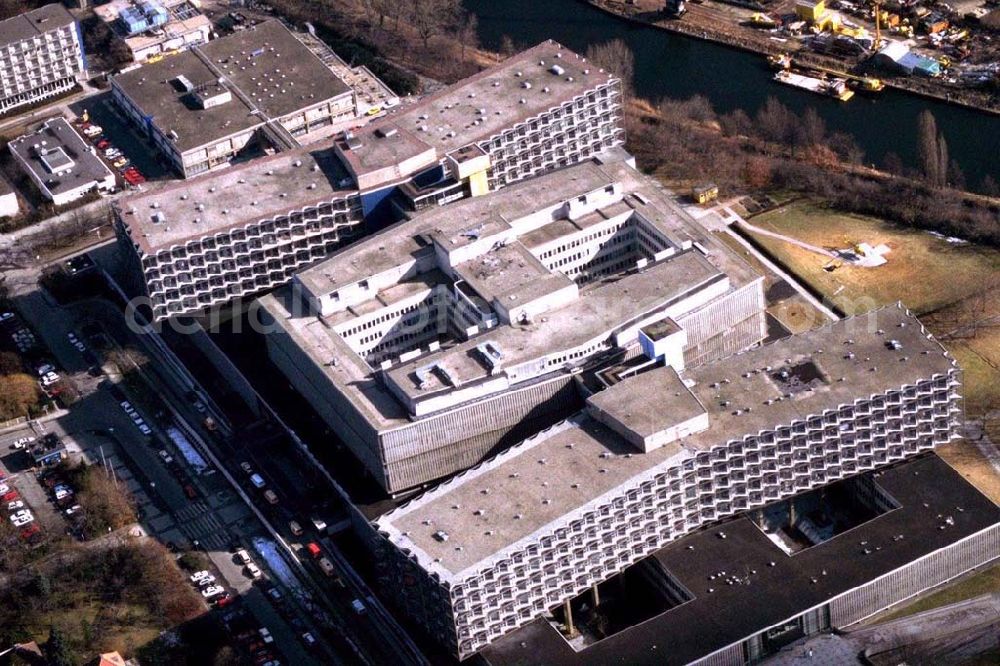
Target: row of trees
x,y
437,38
687,141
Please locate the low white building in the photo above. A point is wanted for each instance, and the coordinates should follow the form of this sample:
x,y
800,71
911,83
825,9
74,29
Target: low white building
x,y
9,206
61,163
158,28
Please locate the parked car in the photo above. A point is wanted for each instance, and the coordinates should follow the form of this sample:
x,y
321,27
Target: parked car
x,y
145,429
166,457
15,505
212,591
295,528
253,571
314,549
257,480
49,378
243,556
103,144
22,442
224,601
327,566
198,575
245,466
73,510
358,607
206,581
4,316
309,640
270,496
190,491
120,163
21,518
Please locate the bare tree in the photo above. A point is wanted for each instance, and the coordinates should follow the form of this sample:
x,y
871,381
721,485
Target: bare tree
x,y
433,17
932,150
616,57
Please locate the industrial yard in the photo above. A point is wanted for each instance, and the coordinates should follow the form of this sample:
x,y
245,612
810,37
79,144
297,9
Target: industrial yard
x,y
947,51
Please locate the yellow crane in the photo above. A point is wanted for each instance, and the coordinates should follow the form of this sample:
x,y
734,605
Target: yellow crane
x,y
878,24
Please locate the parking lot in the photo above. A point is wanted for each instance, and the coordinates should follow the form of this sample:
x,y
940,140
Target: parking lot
x,y
121,135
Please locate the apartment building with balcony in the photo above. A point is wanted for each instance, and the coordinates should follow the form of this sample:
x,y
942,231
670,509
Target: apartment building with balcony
x,y
657,456
433,343
369,178
41,56
214,103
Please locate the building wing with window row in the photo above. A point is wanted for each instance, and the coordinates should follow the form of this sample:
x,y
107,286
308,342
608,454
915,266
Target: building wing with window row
x,y
657,456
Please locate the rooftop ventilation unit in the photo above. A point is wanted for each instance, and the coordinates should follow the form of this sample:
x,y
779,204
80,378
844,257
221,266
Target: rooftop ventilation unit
x,y
557,70
491,353
386,132
441,536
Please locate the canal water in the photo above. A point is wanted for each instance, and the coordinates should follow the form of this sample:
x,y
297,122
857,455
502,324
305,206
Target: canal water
x,y
671,65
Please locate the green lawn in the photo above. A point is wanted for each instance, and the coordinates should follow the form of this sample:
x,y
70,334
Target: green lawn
x,y
984,582
923,271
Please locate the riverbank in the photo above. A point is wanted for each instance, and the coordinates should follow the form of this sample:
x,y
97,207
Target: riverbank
x,y
718,24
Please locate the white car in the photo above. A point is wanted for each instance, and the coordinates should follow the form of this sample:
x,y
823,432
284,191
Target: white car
x,y
75,341
205,581
126,405
73,510
244,556
62,493
23,442
253,570
136,418
167,458
213,591
49,379
198,575
4,489
4,316
45,369
265,634
22,518
15,505
112,153
145,429
257,480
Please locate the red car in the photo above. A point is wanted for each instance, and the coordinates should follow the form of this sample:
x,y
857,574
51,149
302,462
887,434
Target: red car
x,y
10,496
103,143
30,531
224,601
190,491
314,549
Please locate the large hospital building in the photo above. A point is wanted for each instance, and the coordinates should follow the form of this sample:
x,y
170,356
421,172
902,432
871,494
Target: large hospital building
x,y
248,228
429,344
657,455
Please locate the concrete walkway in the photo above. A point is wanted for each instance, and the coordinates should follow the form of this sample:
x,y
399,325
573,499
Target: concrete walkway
x,y
788,239
734,218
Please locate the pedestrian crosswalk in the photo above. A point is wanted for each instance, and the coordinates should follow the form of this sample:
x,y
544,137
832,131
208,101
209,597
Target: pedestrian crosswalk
x,y
199,524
